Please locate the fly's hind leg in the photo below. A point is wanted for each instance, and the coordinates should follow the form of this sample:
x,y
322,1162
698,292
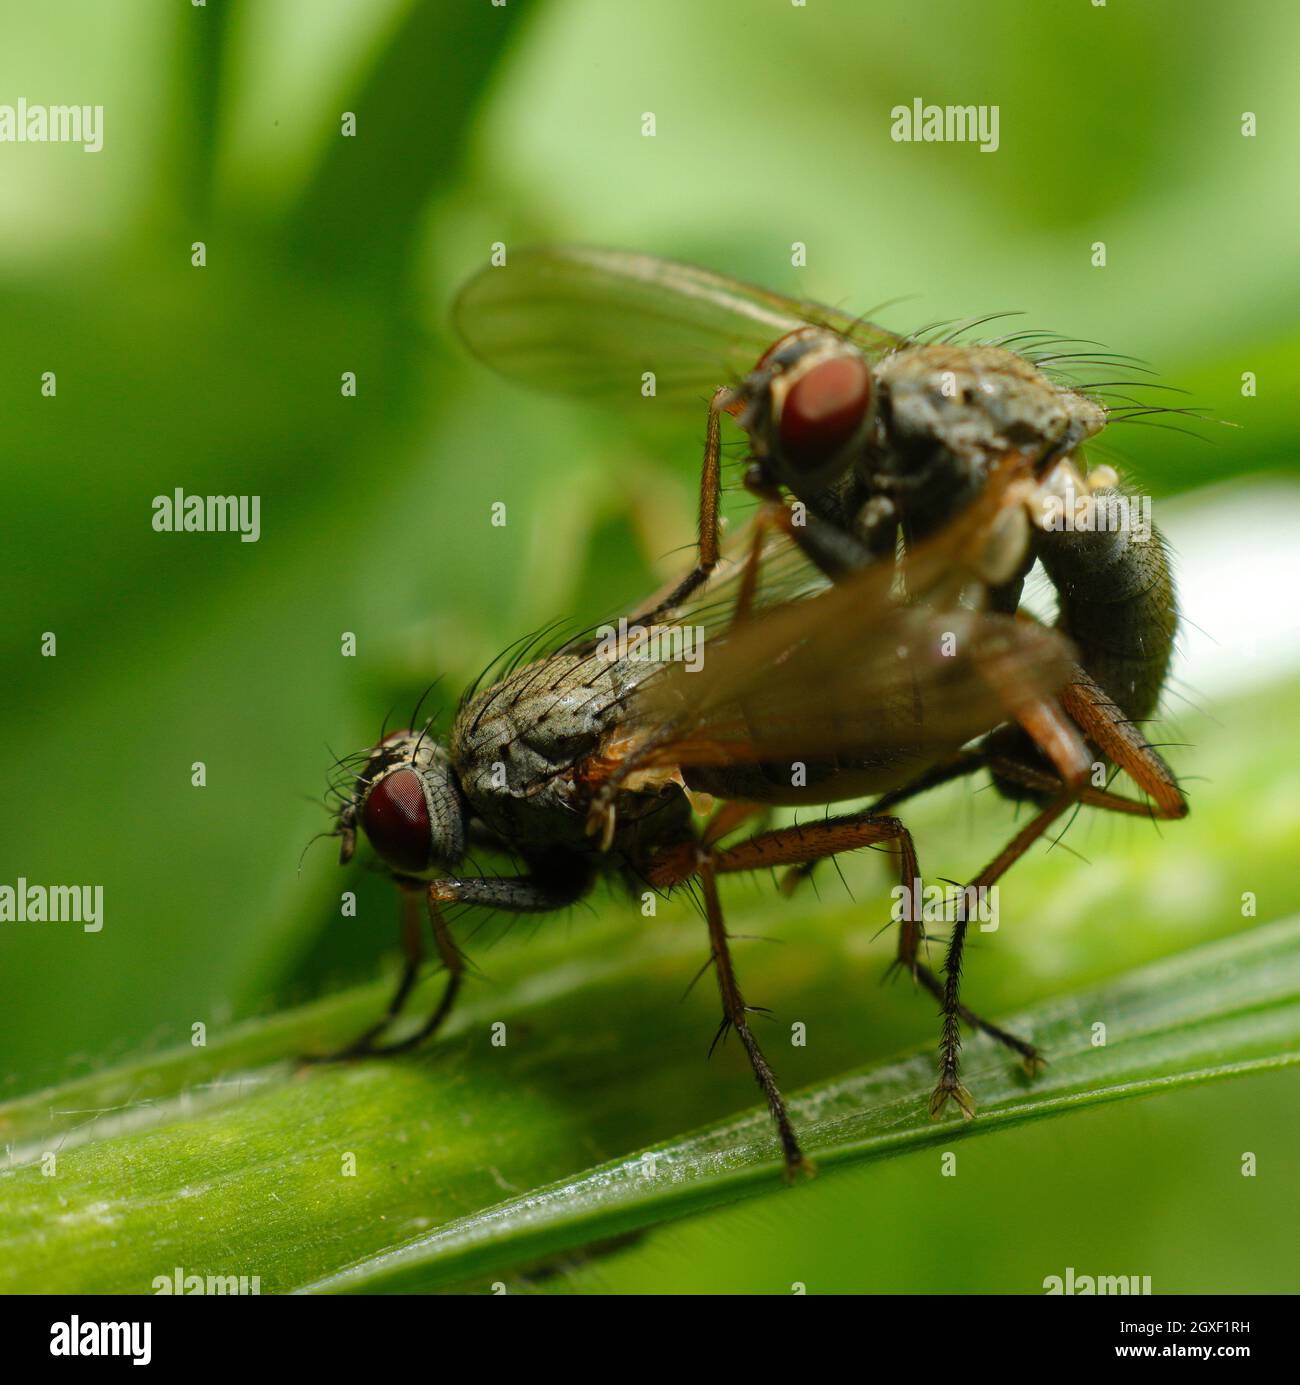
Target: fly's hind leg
x,y
1054,728
1056,735
1059,739
948,991
908,960
1097,715
911,931
805,844
1104,722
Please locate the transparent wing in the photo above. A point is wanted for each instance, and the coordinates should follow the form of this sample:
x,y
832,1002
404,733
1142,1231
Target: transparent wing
x,y
942,571
589,322
856,671
813,679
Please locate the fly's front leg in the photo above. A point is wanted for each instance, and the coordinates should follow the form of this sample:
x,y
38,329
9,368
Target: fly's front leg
x,y
773,517
829,547
710,521
454,964
520,894
523,894
413,951
749,576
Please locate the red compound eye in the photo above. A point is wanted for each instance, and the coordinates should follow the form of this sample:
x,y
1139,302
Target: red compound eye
x,y
823,410
396,820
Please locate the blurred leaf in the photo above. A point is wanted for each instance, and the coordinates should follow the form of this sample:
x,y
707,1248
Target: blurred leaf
x,y
200,65
359,216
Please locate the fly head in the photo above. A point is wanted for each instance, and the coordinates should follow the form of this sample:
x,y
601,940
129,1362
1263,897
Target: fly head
x,y
409,804
808,406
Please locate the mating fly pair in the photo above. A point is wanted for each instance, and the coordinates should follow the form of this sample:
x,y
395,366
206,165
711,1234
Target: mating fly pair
x,y
919,479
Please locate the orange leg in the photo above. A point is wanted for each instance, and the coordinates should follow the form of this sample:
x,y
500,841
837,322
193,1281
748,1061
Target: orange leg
x,y
710,521
413,949
730,815
1120,741
784,846
811,842
1097,715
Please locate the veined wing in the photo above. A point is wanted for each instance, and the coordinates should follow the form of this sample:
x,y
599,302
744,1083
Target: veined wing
x,y
590,322
856,670
947,568
805,681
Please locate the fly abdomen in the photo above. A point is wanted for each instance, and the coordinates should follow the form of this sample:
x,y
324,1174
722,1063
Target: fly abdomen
x,y
1117,599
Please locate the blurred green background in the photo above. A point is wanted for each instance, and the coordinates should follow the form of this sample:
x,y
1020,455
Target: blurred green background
x,y
1120,123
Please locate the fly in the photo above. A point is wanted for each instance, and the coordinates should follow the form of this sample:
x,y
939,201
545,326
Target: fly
x,y
863,442
587,763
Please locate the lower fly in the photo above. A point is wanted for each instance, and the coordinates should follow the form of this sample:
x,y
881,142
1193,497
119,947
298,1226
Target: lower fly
x,y
586,763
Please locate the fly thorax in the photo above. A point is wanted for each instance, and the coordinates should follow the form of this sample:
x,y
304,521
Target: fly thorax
x,y
520,746
948,412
